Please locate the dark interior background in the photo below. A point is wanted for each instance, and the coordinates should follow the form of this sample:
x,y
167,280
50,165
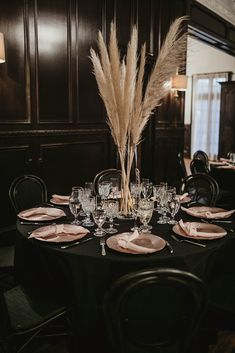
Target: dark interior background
x,y
52,120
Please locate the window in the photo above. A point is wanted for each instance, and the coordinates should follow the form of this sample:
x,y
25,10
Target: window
x,y
206,112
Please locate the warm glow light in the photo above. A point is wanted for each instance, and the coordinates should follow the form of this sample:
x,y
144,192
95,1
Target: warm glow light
x,y
2,49
179,82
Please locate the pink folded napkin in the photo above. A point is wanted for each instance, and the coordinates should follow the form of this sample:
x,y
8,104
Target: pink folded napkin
x,y
193,230
130,242
183,196
208,212
60,197
60,232
41,213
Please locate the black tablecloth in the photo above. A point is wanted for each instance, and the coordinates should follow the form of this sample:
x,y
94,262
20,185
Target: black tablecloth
x,y
81,275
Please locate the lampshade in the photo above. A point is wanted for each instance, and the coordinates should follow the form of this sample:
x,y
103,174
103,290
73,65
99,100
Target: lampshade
x,y
179,82
2,49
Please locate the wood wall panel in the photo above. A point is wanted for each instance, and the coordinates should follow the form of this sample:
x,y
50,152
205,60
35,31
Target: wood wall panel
x,y
14,90
89,21
75,162
53,47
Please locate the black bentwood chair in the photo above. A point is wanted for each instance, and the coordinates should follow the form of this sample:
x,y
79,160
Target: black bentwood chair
x,y
106,175
28,316
202,188
198,166
181,165
27,191
202,156
154,310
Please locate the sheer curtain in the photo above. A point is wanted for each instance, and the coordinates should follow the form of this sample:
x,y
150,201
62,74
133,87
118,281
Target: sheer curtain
x,y
206,112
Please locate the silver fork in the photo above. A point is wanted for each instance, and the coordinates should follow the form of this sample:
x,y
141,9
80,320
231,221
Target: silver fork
x,y
102,243
187,241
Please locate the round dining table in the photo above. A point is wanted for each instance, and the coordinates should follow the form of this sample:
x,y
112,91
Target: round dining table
x,y
81,275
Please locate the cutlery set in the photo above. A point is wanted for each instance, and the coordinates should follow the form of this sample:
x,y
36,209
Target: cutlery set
x,y
224,227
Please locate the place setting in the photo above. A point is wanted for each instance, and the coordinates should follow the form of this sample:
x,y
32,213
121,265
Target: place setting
x,y
40,214
62,200
199,230
61,233
208,212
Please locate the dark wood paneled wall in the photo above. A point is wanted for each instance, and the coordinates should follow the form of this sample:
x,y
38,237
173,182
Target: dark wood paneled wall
x,y
52,120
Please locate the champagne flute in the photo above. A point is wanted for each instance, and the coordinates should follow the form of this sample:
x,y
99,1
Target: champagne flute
x,y
74,203
99,217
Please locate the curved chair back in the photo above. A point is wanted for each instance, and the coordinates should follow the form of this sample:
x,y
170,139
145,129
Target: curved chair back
x,y
202,188
152,309
27,191
106,175
198,166
181,164
203,156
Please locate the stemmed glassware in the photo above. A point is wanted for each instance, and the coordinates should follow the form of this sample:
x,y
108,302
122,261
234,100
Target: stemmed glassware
x,y
146,188
74,203
145,212
88,205
104,188
173,206
111,208
99,217
163,199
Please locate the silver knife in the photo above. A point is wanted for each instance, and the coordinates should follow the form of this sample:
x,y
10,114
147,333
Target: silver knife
x,y
169,247
76,243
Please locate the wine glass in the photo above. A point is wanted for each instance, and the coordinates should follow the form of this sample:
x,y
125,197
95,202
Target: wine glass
x,y
146,188
173,206
99,217
74,203
88,205
145,212
111,208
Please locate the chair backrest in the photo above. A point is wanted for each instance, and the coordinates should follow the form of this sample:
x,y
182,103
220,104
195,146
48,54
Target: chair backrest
x,y
27,191
154,308
106,175
181,164
203,156
198,166
202,188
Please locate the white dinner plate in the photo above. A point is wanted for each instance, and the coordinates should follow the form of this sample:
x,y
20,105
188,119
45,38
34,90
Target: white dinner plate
x,y
147,240
214,231
45,214
208,212
70,233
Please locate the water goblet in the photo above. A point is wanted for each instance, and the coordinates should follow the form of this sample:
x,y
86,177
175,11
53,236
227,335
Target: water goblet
x,y
104,189
74,204
145,212
99,217
88,207
111,208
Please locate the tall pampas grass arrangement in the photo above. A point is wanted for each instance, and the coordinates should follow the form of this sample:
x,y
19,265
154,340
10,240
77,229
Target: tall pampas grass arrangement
x,y
121,86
